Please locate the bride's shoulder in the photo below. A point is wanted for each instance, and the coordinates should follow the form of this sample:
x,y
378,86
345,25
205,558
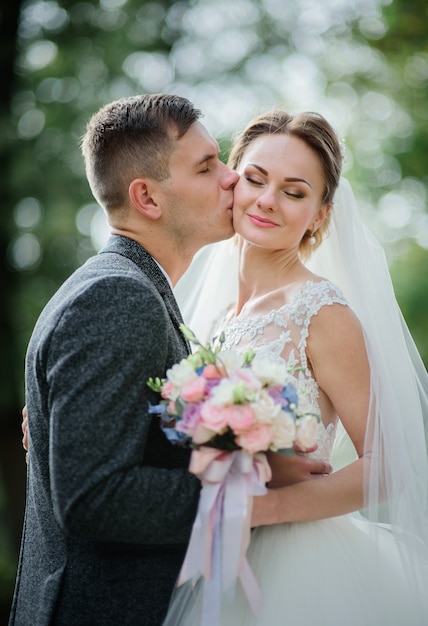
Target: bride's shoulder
x,y
313,296
328,311
318,292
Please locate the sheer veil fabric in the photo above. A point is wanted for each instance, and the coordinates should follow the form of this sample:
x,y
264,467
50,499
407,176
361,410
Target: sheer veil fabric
x,y
396,481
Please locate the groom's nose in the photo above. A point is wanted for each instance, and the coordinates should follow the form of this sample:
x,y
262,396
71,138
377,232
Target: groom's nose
x,y
229,179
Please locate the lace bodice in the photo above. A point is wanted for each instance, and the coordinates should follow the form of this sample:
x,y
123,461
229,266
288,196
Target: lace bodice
x,y
281,335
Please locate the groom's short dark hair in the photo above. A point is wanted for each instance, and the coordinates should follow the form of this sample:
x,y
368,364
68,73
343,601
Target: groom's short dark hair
x,y
133,137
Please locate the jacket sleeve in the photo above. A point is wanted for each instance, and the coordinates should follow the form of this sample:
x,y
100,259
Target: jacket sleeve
x,y
113,474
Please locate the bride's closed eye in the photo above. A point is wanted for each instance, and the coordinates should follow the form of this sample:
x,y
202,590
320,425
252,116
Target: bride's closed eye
x,y
252,180
255,180
294,195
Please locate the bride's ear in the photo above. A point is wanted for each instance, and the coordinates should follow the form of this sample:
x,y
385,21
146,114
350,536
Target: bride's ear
x,y
142,196
322,214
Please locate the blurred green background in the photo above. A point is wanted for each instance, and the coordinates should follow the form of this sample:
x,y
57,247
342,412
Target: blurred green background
x,y
362,63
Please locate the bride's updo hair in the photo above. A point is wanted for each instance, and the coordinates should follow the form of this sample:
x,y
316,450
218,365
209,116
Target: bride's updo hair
x,y
317,133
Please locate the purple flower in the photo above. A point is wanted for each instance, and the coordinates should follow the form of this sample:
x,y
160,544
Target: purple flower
x,y
285,396
211,383
275,394
190,418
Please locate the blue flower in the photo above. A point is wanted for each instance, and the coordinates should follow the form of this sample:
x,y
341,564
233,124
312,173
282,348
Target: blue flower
x,y
290,397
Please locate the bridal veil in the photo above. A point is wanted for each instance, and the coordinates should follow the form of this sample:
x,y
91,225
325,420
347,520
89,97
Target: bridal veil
x,y
396,483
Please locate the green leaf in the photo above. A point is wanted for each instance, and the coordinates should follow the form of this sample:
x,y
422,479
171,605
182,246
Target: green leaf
x,y
249,356
189,334
240,392
180,405
155,384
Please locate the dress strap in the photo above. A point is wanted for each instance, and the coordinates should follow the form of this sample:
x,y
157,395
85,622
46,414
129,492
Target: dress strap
x,y
308,303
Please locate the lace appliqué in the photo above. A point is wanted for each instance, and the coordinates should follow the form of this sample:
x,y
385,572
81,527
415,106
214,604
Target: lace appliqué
x,y
282,334
325,441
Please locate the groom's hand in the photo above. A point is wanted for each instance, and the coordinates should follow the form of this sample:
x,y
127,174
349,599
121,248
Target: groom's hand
x,y
291,469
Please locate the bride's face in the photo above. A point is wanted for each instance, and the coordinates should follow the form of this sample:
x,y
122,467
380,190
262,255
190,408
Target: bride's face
x,y
279,194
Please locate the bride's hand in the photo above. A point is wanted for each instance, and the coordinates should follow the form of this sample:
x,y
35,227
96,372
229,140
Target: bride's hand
x,y
24,428
291,469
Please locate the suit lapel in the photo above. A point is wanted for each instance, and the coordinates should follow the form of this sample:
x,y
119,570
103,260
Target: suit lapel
x,y
137,254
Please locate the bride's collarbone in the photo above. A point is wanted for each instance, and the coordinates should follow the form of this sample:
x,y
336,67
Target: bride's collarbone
x,y
263,303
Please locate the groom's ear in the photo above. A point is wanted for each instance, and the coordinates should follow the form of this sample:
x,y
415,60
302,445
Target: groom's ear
x,y
142,193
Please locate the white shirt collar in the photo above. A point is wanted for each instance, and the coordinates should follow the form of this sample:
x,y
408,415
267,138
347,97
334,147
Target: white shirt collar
x,y
164,273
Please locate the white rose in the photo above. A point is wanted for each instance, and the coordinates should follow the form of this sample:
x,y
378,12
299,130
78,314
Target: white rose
x,y
181,373
270,373
230,359
265,409
223,393
307,429
284,431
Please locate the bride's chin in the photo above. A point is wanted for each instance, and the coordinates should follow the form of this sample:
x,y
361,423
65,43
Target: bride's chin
x,y
257,236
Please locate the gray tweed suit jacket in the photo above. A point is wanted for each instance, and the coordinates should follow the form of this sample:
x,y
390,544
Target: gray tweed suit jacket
x,y
110,503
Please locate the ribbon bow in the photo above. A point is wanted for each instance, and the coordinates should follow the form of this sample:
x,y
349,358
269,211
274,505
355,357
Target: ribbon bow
x,y
221,531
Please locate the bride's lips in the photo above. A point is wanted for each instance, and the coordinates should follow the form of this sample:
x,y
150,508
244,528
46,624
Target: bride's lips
x,y
261,221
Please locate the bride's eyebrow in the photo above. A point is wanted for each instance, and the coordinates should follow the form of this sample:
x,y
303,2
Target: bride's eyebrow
x,y
287,180
298,180
261,169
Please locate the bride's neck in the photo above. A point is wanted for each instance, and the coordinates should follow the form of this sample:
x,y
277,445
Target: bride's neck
x,y
264,271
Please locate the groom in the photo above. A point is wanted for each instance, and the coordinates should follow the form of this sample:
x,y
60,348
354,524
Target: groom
x,y
110,503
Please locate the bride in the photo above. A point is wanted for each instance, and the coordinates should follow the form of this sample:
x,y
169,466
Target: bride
x,y
312,289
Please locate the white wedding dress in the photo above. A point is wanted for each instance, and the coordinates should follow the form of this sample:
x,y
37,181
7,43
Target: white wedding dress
x,y
342,571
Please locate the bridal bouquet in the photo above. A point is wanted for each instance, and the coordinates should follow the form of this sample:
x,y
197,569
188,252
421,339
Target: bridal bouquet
x,y
233,401
230,408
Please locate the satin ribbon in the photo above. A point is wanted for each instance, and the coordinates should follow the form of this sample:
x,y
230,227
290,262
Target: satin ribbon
x,y
222,528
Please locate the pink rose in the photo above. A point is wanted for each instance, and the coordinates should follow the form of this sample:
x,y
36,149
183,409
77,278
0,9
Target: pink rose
x,y
214,417
257,438
214,371
247,376
167,390
194,390
239,417
201,434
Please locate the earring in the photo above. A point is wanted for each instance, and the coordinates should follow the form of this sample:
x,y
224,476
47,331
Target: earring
x,y
312,240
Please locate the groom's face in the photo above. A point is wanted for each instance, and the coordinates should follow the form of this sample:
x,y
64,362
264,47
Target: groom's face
x,y
198,195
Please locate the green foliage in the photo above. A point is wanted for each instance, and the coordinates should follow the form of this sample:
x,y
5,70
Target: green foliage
x,y
405,46
410,277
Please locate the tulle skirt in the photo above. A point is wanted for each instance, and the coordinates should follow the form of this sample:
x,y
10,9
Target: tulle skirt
x,y
343,571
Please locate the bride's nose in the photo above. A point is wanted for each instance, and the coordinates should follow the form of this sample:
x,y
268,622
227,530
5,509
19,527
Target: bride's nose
x,y
266,201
